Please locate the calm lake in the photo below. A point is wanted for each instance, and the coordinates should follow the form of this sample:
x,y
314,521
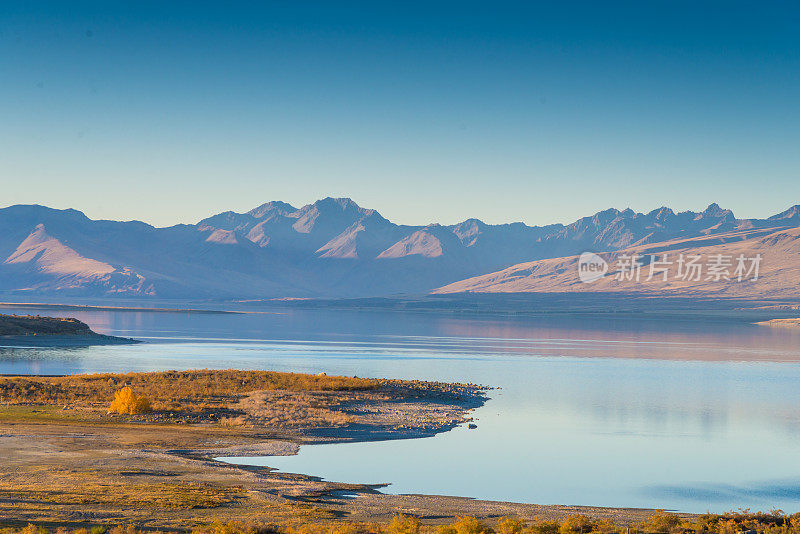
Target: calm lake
x,y
684,415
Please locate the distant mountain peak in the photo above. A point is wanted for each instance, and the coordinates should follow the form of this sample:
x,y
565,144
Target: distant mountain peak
x,y
271,207
604,215
420,243
343,203
364,239
329,216
791,213
472,222
41,212
50,255
714,210
661,213
469,230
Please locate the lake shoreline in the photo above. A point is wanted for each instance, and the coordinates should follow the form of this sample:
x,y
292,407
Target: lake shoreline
x,y
621,305
64,340
544,367
86,450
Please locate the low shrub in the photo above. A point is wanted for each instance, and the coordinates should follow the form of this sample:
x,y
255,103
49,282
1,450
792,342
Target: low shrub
x,y
508,525
661,522
577,523
544,526
127,402
465,525
403,524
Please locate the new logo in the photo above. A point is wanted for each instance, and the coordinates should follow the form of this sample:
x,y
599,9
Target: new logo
x,y
591,267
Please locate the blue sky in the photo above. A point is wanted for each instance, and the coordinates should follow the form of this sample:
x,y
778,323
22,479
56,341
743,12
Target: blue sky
x,y
534,112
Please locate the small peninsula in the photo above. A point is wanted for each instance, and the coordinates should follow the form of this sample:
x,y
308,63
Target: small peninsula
x,y
39,330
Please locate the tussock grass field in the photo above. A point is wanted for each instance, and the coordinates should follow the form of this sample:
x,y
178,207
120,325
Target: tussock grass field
x,y
168,390
774,522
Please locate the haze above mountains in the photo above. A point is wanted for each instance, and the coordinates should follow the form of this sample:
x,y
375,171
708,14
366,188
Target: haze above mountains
x,y
335,248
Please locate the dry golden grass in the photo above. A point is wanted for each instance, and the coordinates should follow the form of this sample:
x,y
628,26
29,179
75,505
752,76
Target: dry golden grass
x,y
281,409
239,401
92,488
164,495
170,390
775,522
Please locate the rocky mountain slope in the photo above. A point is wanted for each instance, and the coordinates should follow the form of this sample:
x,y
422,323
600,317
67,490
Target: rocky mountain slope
x,y
331,248
742,263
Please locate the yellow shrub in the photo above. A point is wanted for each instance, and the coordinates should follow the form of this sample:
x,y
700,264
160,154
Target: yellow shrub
x,y
545,526
33,529
319,528
126,401
728,526
508,525
662,522
465,525
577,523
404,524
606,526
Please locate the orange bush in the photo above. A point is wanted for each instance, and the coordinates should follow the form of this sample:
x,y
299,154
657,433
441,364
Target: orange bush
x,y
403,524
126,401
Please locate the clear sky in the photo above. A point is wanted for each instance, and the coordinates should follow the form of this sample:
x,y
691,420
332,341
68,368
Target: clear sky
x,y
534,112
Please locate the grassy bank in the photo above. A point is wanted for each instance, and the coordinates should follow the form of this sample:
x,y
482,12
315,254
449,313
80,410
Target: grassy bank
x,y
257,399
187,390
774,522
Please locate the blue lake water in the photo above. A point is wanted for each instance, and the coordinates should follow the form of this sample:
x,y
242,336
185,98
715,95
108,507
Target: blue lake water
x,y
687,415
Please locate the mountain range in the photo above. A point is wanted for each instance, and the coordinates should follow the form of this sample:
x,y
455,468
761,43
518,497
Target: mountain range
x,y
335,248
